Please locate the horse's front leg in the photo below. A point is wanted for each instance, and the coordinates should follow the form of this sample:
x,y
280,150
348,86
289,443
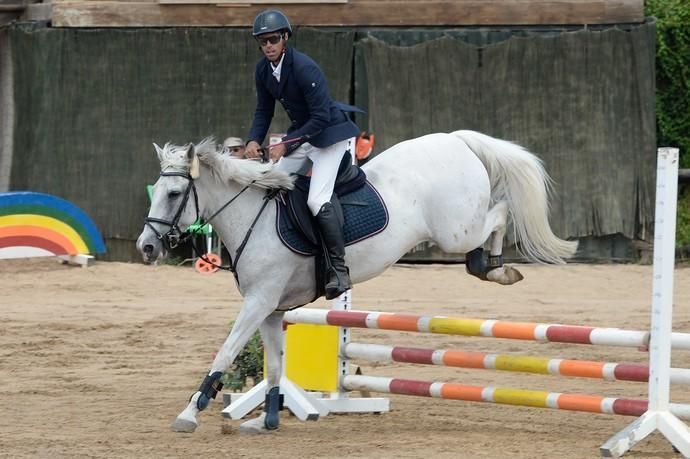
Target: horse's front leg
x,y
252,314
272,336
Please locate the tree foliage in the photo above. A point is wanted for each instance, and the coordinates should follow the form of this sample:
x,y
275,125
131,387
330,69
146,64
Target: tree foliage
x,y
672,73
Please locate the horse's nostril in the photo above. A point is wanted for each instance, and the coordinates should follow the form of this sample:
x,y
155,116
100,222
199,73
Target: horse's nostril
x,y
148,249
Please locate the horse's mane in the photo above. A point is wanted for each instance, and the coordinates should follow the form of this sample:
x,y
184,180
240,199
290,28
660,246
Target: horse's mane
x,y
173,156
225,167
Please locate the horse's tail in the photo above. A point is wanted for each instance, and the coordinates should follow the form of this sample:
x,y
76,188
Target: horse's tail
x,y
518,177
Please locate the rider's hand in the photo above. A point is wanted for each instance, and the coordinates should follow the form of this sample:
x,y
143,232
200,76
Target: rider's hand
x,y
277,152
253,150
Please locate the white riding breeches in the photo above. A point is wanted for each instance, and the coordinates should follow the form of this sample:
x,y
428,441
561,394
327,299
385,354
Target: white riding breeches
x,y
325,162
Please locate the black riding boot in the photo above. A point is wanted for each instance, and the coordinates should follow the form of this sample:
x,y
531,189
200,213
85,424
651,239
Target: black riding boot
x,y
338,276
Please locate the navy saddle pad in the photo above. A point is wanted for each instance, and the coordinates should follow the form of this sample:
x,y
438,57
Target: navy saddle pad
x,y
364,213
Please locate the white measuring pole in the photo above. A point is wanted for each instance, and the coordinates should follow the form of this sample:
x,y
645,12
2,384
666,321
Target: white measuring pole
x,y
658,415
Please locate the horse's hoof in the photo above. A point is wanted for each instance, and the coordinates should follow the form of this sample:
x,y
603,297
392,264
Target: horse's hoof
x,y
186,420
183,425
255,426
513,275
505,275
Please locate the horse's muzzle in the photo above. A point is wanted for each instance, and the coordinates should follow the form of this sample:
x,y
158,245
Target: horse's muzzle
x,y
151,248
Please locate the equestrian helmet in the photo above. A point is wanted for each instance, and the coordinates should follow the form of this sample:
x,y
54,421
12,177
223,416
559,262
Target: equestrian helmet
x,y
271,21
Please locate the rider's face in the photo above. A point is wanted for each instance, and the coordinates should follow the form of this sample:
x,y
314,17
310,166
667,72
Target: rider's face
x,y
272,45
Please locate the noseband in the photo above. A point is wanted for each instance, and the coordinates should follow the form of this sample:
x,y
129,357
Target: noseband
x,y
174,236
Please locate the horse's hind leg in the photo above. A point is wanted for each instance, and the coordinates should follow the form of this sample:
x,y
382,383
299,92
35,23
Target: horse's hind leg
x,y
494,270
248,320
272,336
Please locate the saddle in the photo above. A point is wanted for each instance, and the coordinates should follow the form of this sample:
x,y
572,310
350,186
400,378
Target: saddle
x,y
360,206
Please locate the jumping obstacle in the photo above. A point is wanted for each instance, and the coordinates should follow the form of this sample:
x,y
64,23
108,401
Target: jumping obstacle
x,y
656,413
478,360
38,225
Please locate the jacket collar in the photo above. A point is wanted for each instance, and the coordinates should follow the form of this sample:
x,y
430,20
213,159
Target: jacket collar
x,y
285,71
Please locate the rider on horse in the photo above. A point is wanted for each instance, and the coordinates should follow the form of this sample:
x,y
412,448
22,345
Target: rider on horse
x,y
320,130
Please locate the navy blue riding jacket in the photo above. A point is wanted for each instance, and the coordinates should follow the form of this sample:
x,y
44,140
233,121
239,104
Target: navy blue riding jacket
x,y
303,93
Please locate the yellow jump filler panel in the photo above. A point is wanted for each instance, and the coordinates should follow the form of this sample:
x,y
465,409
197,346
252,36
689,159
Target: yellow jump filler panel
x,y
312,356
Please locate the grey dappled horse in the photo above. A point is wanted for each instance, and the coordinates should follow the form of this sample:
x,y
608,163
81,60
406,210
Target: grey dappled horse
x,y
458,190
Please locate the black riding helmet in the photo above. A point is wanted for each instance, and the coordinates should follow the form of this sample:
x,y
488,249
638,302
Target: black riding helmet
x,y
271,21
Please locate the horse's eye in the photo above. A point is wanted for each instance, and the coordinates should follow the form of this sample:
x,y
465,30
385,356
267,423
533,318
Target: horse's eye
x,y
174,194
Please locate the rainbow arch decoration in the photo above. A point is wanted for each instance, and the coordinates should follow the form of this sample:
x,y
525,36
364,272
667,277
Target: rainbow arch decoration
x,y
38,225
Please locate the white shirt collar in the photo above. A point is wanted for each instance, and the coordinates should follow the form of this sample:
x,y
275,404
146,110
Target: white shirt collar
x,y
277,68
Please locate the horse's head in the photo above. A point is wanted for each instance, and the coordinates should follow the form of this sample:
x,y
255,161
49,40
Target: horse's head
x,y
175,204
174,201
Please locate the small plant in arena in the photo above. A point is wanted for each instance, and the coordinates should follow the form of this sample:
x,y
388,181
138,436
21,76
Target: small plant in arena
x,y
248,364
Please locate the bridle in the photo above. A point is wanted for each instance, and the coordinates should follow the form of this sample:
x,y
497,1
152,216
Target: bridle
x,y
174,236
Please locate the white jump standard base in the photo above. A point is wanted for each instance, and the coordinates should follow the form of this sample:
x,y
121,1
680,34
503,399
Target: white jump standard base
x,y
302,404
82,260
306,406
659,417
340,403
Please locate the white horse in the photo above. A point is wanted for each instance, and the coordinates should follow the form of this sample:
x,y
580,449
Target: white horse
x,y
458,190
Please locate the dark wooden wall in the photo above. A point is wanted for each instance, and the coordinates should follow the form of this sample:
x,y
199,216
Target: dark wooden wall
x,y
367,13
87,108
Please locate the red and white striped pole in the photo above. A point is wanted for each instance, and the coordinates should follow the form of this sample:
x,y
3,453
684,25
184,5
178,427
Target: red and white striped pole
x,y
573,334
609,371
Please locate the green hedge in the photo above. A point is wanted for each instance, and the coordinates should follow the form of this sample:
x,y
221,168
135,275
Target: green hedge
x,y
673,74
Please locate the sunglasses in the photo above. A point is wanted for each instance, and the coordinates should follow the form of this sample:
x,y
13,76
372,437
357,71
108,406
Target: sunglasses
x,y
273,39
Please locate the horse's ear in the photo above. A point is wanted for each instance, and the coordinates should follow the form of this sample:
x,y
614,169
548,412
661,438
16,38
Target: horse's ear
x,y
194,162
159,151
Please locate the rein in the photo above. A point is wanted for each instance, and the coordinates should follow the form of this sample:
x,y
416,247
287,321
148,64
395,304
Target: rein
x,y
174,236
232,267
